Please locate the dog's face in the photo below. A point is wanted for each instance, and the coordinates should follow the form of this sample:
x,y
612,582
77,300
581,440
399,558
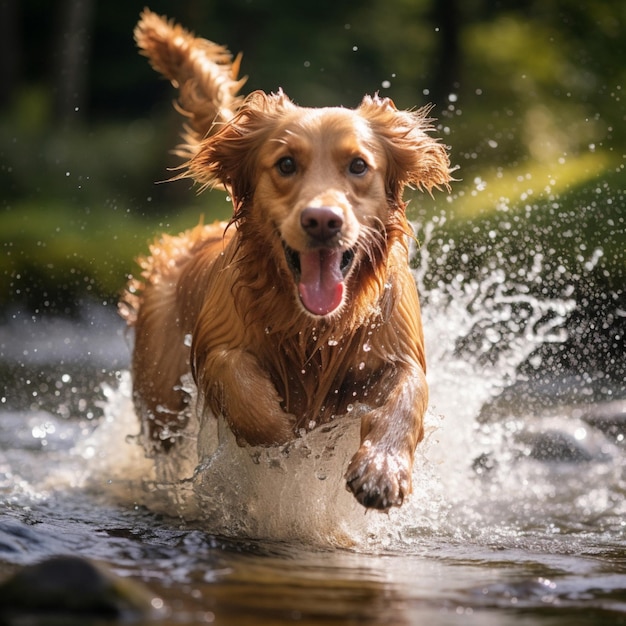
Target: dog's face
x,y
321,185
321,189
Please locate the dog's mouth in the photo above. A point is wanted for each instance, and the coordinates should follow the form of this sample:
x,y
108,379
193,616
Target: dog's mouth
x,y
320,274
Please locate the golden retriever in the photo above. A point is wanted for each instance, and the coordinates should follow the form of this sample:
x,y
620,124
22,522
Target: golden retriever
x,y
303,306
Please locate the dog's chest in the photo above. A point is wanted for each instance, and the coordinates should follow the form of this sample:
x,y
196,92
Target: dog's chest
x,y
325,383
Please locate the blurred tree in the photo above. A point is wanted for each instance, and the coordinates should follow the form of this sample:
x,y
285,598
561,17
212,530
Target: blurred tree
x,y
446,58
10,56
71,57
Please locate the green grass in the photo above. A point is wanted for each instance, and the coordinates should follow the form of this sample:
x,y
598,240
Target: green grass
x,y
572,214
54,254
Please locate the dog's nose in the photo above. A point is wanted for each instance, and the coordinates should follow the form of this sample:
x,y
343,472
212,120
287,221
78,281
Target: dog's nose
x,y
322,223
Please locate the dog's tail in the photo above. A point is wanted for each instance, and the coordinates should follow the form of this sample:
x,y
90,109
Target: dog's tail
x,y
204,73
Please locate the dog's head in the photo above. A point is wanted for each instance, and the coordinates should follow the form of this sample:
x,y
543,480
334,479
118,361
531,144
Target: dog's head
x,y
322,187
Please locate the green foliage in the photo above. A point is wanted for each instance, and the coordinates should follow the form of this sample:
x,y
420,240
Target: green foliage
x,y
535,103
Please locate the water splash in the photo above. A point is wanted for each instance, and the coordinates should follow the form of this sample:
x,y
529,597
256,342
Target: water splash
x,y
467,473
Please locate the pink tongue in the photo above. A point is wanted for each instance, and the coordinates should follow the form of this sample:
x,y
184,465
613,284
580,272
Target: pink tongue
x,y
321,281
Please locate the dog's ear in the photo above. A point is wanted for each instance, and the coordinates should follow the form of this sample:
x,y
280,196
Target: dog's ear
x,y
414,157
229,156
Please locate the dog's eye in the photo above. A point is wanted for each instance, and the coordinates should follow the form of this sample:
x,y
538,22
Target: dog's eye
x,y
358,166
286,166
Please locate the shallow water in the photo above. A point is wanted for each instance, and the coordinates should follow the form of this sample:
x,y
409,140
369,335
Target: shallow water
x,y
518,513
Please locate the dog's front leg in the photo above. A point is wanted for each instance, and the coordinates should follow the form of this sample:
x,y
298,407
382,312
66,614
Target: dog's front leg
x,y
235,386
379,474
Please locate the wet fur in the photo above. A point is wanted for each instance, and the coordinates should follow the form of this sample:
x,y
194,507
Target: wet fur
x,y
258,356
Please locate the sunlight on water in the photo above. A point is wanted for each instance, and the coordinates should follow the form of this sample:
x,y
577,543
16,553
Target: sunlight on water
x,y
471,480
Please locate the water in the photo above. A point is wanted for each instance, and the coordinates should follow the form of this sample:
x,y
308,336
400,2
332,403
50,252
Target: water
x,y
518,513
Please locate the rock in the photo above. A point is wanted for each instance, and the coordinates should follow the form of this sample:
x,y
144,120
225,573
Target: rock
x,y
74,588
565,439
555,446
608,417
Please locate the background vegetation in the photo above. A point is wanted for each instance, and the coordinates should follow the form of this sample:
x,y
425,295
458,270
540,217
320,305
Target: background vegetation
x,y
529,94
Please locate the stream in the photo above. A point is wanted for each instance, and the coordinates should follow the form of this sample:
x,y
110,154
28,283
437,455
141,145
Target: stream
x,y
518,514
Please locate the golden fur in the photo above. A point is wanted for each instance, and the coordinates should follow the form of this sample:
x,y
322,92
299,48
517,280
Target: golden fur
x,y
304,304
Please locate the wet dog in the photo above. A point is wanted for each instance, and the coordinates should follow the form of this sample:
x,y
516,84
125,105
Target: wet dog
x,y
303,305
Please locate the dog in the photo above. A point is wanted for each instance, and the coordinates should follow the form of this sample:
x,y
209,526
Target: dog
x,y
303,305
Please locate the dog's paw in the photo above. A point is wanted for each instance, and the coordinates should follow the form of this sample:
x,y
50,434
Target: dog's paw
x,y
379,479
